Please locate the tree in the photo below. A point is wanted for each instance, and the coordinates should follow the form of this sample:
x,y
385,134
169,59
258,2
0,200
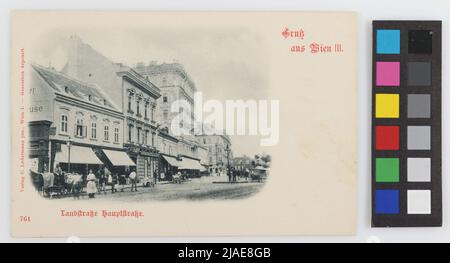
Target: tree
x,y
266,158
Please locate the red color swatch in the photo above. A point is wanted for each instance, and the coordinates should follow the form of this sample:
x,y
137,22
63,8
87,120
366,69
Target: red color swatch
x,y
387,137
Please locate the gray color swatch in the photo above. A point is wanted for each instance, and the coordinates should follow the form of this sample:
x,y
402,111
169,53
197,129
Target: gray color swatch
x,y
419,106
419,74
419,169
419,137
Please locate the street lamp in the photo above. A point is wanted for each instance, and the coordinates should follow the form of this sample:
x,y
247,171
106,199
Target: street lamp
x,y
69,145
228,150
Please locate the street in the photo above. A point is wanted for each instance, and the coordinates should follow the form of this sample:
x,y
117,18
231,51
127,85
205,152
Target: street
x,y
204,188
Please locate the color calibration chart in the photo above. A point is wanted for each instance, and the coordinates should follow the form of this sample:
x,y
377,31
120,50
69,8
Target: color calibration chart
x,y
406,124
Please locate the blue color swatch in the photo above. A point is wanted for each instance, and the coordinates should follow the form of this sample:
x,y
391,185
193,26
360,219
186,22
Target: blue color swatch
x,y
388,41
387,202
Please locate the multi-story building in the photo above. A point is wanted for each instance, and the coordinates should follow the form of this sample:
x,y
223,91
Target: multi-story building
x,y
203,155
219,151
72,123
169,159
175,85
134,95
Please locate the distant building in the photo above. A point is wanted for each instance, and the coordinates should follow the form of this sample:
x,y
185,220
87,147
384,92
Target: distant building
x,y
219,151
243,163
175,84
169,157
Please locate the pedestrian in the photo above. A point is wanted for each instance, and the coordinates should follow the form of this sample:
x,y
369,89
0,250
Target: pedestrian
x,y
99,177
105,179
177,178
122,181
59,177
234,173
114,181
133,179
91,187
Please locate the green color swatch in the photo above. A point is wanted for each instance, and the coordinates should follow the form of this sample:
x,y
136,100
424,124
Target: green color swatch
x,y
387,170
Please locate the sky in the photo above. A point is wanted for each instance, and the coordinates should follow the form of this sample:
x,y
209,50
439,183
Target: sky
x,y
224,64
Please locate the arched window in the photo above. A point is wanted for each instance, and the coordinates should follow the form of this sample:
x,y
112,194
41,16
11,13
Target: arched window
x,y
94,129
152,114
64,123
146,111
138,108
130,104
139,131
116,135
106,133
130,133
79,127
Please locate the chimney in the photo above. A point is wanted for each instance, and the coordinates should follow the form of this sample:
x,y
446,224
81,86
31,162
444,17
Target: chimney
x,y
73,61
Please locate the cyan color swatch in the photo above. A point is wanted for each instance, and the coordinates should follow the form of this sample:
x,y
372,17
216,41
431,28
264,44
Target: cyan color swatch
x,y
388,41
387,202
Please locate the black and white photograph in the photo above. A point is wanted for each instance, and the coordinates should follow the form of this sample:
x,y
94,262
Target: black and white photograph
x,y
119,122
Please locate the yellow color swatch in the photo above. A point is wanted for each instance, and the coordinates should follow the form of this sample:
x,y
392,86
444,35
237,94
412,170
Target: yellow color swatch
x,y
387,106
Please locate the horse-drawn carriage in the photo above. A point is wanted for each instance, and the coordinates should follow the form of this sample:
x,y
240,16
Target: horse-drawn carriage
x,y
258,174
51,186
177,178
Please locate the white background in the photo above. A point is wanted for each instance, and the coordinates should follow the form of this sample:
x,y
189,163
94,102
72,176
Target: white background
x,y
368,10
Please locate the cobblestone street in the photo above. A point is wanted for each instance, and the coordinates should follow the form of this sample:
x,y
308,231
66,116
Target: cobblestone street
x,y
204,188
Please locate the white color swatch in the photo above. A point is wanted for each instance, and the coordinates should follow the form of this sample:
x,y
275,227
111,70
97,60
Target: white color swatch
x,y
419,202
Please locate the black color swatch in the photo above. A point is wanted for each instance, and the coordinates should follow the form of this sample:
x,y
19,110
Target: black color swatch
x,y
420,42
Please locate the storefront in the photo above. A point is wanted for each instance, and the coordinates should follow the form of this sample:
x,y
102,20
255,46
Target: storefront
x,y
119,161
191,167
74,158
169,167
39,132
146,160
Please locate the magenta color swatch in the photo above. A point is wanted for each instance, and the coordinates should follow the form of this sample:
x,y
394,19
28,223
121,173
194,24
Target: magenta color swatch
x,y
388,73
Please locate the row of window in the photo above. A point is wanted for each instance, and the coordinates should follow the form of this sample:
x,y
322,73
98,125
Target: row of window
x,y
142,136
81,129
138,109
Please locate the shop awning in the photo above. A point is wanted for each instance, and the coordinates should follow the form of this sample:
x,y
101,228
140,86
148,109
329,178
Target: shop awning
x,y
189,164
172,161
118,158
78,155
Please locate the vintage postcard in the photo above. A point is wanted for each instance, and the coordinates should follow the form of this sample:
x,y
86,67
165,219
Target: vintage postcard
x,y
183,123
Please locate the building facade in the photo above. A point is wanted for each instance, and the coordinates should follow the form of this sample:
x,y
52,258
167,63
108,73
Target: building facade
x,y
71,123
219,152
175,85
134,95
169,157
